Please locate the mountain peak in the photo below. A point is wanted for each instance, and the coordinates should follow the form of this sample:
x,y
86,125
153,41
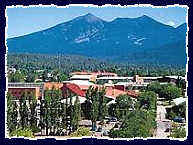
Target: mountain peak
x,y
145,17
91,18
89,15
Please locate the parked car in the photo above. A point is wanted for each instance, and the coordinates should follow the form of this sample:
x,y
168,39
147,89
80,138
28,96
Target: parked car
x,y
179,120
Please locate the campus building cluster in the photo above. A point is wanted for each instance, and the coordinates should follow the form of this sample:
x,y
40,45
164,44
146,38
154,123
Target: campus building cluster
x,y
80,82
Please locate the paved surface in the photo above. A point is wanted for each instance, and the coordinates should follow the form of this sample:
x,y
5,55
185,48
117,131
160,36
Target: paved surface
x,y
162,123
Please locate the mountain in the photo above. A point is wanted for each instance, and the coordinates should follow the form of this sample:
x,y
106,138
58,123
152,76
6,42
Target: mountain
x,y
133,40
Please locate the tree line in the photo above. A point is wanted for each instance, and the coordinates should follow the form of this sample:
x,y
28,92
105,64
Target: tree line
x,y
65,64
55,114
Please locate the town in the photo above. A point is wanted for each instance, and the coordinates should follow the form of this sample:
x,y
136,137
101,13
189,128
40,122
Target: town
x,y
109,72
98,104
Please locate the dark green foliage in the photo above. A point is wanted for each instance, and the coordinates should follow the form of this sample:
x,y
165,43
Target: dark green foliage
x,y
53,112
71,63
30,77
147,100
102,104
170,92
136,124
17,77
179,132
155,87
97,101
23,111
32,107
12,114
176,111
76,114
180,83
139,122
123,105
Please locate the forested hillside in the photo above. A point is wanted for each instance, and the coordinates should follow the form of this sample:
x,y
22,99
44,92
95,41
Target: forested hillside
x,y
70,63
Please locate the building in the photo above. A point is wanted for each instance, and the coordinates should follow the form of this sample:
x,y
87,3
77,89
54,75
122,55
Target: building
x,y
90,76
83,85
170,79
70,88
18,89
52,85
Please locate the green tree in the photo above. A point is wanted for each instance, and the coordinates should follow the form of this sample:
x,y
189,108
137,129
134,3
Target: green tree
x,y
155,86
12,113
16,77
102,104
178,132
63,114
147,100
76,114
124,104
30,77
42,122
52,104
93,97
23,111
138,123
62,77
33,115
180,83
171,92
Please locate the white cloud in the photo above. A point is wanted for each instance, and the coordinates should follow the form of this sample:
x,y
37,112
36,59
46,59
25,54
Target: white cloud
x,y
171,23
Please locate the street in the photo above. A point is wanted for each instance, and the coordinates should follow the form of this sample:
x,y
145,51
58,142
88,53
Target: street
x,y
162,123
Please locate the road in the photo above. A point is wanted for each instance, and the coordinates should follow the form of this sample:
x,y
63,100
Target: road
x,y
162,122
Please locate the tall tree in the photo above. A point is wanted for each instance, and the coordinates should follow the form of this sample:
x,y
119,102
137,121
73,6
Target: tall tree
x,y
23,111
123,104
93,97
76,114
171,92
102,104
42,122
12,113
147,100
33,114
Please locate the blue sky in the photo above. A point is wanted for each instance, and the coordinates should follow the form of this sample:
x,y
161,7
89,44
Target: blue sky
x,y
23,21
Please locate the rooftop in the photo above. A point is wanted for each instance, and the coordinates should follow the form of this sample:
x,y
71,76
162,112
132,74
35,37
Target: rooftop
x,y
82,82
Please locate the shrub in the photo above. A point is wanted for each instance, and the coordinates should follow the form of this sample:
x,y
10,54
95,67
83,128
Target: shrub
x,y
35,129
178,133
22,132
82,131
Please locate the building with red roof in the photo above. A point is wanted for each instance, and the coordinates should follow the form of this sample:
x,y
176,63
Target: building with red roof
x,y
72,88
